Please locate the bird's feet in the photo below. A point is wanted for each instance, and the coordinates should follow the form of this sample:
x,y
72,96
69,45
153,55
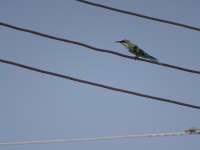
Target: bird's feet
x,y
136,58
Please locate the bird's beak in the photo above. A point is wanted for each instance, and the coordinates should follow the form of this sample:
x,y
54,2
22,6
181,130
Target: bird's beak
x,y
117,41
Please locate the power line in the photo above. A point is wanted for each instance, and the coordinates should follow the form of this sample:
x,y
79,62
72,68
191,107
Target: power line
x,y
99,85
100,138
140,15
97,49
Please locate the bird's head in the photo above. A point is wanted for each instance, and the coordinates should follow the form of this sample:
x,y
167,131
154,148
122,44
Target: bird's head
x,y
125,41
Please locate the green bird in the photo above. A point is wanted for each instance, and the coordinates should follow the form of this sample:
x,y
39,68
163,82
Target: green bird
x,y
134,49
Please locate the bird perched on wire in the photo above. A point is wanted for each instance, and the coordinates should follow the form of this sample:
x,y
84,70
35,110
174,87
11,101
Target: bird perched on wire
x,y
134,49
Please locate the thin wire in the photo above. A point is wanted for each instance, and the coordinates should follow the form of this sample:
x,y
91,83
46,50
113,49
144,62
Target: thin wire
x,y
100,138
97,49
140,15
99,85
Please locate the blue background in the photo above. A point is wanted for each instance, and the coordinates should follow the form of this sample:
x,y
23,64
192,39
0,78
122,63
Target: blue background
x,y
36,106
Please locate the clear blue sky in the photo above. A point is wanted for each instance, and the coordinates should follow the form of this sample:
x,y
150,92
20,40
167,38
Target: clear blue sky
x,y
35,106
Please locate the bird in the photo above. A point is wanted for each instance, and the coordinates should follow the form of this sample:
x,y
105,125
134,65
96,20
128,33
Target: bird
x,y
138,52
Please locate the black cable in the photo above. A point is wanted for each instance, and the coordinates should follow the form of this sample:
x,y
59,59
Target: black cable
x,y
99,85
97,49
140,15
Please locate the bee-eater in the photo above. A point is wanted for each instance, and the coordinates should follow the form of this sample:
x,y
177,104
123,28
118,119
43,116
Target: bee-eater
x,y
134,49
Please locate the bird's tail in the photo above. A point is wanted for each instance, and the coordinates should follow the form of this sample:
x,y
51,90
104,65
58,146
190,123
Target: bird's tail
x,y
147,56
